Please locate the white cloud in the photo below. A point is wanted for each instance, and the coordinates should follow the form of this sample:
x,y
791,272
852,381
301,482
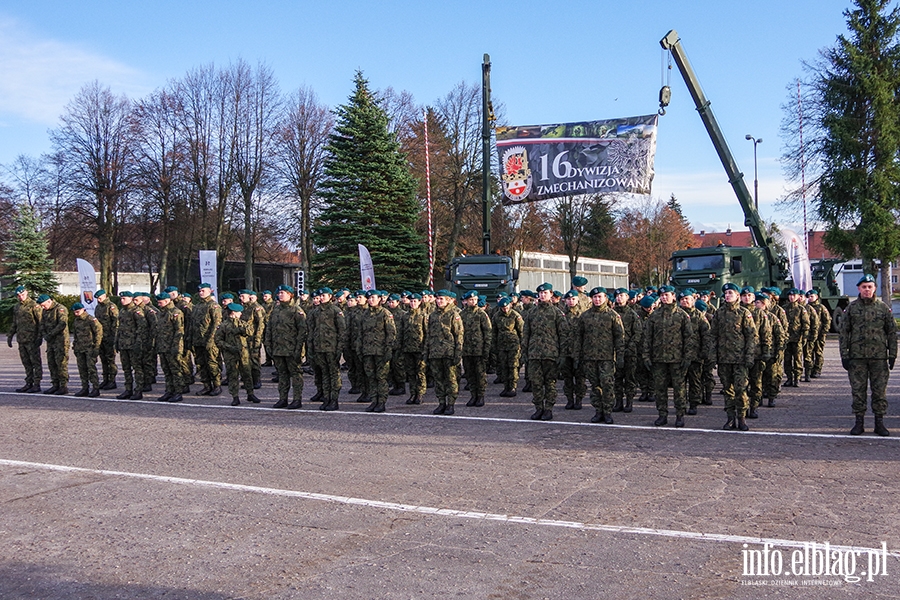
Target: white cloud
x,y
38,76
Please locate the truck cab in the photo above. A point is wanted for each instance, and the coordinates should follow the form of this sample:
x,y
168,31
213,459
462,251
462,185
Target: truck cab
x,y
713,267
487,274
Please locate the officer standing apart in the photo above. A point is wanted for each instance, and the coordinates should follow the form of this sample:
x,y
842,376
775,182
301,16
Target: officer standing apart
x,y
868,341
26,324
544,330
88,334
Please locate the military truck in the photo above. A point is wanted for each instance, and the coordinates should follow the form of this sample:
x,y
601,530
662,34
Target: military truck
x,y
487,274
761,265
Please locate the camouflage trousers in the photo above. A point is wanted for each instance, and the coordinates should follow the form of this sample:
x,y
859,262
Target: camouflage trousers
x,y
131,369
445,372
694,382
108,359
665,375
290,375
626,383
355,372
772,375
377,369
602,376
237,365
573,379
329,364
542,374
87,368
414,364
865,372
255,363
173,369
734,381
508,366
818,359
150,366
643,377
475,368
30,355
207,358
793,360
755,384
58,362
397,373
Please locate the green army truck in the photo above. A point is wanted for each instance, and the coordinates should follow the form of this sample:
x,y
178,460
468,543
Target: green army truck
x,y
487,274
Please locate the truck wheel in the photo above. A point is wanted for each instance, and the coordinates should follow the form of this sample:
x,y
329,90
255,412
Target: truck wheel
x,y
837,318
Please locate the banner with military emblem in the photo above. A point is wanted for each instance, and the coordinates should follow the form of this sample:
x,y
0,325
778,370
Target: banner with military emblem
x,y
538,162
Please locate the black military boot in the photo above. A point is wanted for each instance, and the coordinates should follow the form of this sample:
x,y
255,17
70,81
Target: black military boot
x,y
215,391
147,388
707,399
771,402
205,391
354,390
325,403
55,387
317,397
730,424
527,387
379,408
608,418
570,403
94,393
362,398
175,398
332,404
24,388
880,429
298,403
440,409
138,395
547,415
628,405
536,416
598,416
62,391
371,407
472,400
479,401
742,424
82,393
448,410
34,389
692,409
679,420
618,406
498,379
126,394
398,390
235,400
165,397
752,414
661,420
578,403
860,425
251,397
257,384
281,403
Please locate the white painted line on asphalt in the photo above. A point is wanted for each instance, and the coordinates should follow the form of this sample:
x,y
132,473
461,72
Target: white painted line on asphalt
x,y
431,511
682,430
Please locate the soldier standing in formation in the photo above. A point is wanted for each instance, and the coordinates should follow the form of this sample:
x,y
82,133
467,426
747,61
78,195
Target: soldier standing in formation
x,y
376,344
26,325
507,329
108,314
797,330
755,302
88,336
868,343
327,336
476,347
735,340
170,347
285,336
670,345
694,376
599,341
231,338
206,316
131,339
55,331
817,348
626,379
443,351
256,315
543,334
413,334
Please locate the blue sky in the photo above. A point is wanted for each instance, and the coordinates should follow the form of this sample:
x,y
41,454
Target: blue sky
x,y
552,62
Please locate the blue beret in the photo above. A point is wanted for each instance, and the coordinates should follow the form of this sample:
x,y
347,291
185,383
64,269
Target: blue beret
x,y
227,296
394,297
371,293
42,298
621,290
269,292
760,296
504,302
245,291
579,281
415,296
186,296
77,306
632,293
326,290
444,293
557,293
865,279
796,292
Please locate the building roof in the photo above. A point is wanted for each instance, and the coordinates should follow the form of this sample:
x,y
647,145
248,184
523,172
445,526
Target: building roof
x,y
706,239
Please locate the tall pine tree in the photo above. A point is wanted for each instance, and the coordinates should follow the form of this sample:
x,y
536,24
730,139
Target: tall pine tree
x,y
370,199
27,256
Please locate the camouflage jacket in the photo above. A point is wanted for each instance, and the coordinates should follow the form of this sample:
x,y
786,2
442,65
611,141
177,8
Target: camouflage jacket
x,y
705,350
327,329
445,334
170,331
734,335
55,323
668,336
379,332
634,328
26,321
87,334
600,335
286,331
132,334
232,335
108,314
254,314
868,331
413,332
824,319
205,318
507,330
797,322
476,332
544,332
763,320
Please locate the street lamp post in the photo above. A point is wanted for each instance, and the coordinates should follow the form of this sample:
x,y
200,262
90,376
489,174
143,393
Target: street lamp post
x,y
755,170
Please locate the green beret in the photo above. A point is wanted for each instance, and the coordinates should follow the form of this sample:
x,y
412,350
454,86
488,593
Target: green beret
x,y
730,286
77,306
326,290
760,296
666,288
557,293
269,292
42,298
747,289
393,297
234,307
415,296
812,293
171,288
20,289
526,294
632,293
245,291
285,288
685,294
647,301
701,306
796,292
444,293
579,281
427,293
865,279
204,285
163,296
100,292
545,287
571,294
621,291
505,301
227,296
186,296
598,290
126,294
470,294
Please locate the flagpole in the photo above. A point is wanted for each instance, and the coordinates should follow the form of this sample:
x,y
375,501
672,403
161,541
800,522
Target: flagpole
x,y
428,205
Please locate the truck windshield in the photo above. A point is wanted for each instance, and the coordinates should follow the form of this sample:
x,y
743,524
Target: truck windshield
x,y
481,270
712,262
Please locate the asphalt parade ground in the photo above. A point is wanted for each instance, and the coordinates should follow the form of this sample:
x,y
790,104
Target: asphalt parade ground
x,y
105,498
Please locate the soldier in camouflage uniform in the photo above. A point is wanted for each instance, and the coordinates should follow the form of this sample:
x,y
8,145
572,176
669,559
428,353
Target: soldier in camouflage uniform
x,y
542,338
643,375
735,339
397,372
570,372
670,345
476,347
327,336
149,359
256,315
696,389
285,336
811,337
108,314
131,340
579,284
443,351
599,341
184,304
356,372
26,325
55,330
170,347
868,343
507,329
626,378
755,302
231,337
817,348
797,330
376,344
205,319
268,305
413,333
774,372
88,336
